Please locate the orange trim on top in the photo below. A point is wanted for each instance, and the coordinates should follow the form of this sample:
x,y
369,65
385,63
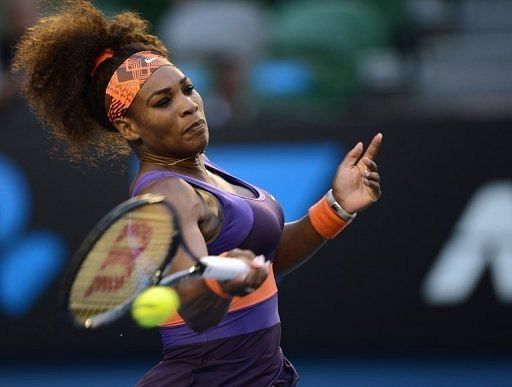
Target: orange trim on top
x,y
264,292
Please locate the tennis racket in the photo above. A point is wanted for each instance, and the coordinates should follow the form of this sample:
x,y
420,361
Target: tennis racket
x,y
127,252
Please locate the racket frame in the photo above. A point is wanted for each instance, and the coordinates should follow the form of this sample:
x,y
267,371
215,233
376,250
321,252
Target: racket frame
x,y
96,233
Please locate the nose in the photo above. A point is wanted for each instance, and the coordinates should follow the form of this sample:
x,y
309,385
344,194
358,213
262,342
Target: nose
x,y
188,106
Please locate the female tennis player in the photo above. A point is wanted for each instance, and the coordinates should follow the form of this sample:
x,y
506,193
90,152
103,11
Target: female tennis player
x,y
105,86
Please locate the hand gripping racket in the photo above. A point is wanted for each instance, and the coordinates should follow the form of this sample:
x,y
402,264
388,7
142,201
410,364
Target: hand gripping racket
x,y
127,252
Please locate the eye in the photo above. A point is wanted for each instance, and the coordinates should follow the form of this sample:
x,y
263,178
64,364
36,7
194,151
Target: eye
x,y
189,89
163,102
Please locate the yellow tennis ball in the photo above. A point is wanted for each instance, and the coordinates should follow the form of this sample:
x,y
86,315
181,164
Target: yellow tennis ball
x,y
154,306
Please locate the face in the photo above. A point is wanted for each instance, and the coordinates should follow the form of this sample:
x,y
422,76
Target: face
x,y
167,116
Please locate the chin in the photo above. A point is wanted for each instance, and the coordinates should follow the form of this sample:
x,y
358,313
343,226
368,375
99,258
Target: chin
x,y
205,139
200,145
196,140
202,149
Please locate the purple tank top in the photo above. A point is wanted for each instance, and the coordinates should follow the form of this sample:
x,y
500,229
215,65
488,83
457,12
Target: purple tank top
x,y
249,223
243,349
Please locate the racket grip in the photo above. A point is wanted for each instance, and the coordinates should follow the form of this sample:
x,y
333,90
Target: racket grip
x,y
221,268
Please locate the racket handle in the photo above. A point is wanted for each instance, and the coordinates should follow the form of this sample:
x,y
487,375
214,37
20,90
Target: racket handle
x,y
221,268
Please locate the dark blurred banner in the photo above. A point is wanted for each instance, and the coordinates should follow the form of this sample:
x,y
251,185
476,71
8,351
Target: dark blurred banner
x,y
429,267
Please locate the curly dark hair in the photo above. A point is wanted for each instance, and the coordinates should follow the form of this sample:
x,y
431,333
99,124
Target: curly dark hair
x,y
56,58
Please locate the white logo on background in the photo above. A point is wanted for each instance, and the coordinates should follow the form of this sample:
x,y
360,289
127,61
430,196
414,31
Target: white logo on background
x,y
481,240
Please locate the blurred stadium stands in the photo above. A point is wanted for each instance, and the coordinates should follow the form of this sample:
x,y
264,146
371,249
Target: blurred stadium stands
x,y
345,58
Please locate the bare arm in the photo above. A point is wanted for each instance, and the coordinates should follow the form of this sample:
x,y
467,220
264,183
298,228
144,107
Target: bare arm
x,y
355,186
200,307
299,242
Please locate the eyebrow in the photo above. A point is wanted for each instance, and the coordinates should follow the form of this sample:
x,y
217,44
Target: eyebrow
x,y
165,90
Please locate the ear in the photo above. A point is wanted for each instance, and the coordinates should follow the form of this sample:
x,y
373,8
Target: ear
x,y
127,128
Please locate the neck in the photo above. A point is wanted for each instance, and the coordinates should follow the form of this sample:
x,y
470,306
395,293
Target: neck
x,y
190,165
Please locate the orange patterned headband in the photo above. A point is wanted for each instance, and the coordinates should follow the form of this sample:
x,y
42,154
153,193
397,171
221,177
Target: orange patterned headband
x,y
128,79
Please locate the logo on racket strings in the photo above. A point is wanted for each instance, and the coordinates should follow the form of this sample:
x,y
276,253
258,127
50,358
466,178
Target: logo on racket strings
x,y
119,263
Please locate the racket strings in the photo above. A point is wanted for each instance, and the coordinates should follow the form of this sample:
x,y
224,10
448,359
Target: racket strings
x,y
122,262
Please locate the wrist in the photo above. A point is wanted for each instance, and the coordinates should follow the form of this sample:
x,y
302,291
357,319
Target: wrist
x,y
338,208
326,221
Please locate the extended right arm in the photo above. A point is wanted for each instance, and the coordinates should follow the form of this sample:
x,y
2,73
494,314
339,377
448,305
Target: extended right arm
x,y
200,307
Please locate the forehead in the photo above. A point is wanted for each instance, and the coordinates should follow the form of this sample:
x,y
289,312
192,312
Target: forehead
x,y
164,77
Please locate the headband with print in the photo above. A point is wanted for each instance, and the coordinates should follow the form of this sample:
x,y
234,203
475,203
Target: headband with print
x,y
128,79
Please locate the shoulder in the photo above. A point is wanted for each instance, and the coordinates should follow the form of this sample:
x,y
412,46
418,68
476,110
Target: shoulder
x,y
180,194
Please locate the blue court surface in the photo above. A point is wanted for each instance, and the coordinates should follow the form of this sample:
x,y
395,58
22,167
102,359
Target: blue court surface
x,y
368,372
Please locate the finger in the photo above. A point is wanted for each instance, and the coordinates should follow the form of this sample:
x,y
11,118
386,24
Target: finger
x,y
373,176
256,279
258,262
256,265
253,280
370,164
374,186
239,253
257,275
256,271
373,148
236,287
260,259
248,290
353,155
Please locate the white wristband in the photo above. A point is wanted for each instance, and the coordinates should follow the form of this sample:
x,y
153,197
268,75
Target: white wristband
x,y
338,209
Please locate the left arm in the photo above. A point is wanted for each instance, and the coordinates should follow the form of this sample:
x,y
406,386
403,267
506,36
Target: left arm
x,y
355,186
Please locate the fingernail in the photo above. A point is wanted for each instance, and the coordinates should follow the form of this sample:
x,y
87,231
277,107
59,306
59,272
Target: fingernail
x,y
260,258
366,173
259,261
